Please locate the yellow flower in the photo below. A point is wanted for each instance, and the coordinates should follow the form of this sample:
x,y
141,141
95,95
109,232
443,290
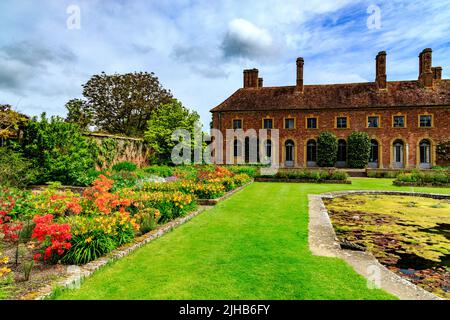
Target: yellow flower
x,y
4,270
88,240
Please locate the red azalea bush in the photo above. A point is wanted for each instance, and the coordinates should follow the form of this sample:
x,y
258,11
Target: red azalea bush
x,y
99,199
216,173
53,237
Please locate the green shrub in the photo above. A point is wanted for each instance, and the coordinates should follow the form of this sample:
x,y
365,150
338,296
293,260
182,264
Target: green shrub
x,y
88,177
87,247
383,174
339,175
421,178
327,147
358,150
15,171
313,175
59,149
125,166
162,171
251,171
124,179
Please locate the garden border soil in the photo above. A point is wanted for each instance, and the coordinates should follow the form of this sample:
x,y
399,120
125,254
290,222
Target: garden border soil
x,y
323,242
76,274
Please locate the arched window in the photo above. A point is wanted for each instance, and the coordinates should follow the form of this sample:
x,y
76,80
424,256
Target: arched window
x,y
247,149
311,151
289,152
342,151
425,152
268,148
237,148
398,153
373,151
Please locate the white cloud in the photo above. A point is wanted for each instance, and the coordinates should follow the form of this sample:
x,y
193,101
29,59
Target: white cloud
x,y
244,39
198,49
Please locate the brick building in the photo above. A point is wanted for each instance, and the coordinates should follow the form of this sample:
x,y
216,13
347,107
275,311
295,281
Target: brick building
x,y
404,119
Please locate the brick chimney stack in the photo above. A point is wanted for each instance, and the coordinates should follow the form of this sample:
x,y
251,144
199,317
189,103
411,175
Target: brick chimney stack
x,y
437,73
425,69
300,63
381,70
260,82
251,78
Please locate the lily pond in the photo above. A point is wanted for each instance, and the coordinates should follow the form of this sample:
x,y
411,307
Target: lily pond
x,y
409,235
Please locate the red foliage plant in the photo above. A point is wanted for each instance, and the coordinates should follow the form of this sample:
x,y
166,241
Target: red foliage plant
x,y
54,237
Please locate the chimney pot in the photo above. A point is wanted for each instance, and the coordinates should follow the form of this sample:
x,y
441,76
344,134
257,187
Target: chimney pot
x,y
437,73
260,82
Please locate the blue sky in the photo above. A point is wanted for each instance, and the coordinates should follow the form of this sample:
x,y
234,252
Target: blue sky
x,y
198,49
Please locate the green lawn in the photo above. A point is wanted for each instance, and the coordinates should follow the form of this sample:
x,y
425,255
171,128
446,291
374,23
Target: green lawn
x,y
251,246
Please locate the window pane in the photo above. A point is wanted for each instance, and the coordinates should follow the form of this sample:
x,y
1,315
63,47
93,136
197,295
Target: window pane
x,y
399,121
342,122
312,123
289,123
237,124
425,121
373,122
268,124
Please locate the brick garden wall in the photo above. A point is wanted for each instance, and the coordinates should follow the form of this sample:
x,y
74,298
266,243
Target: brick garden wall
x,y
117,149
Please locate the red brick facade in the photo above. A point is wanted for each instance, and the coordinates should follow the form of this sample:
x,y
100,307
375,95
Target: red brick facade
x,y
394,147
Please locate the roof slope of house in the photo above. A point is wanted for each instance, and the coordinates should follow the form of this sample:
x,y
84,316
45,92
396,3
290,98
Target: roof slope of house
x,y
338,96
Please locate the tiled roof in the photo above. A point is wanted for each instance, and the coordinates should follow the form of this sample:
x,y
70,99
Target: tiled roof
x,y
337,96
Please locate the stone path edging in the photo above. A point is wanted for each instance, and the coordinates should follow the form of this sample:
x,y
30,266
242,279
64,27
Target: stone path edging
x,y
323,242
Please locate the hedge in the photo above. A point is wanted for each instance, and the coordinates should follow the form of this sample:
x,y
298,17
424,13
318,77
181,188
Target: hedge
x,y
327,147
358,152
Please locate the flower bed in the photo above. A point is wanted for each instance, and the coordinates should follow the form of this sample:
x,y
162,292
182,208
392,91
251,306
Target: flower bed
x,y
40,230
307,176
438,178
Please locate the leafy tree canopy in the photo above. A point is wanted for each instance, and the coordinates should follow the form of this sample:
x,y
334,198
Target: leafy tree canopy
x,y
79,113
163,122
122,103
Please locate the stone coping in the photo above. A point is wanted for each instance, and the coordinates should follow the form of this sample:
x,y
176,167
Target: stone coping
x,y
323,242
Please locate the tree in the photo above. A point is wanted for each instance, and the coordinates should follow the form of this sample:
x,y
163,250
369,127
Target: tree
x,y
327,147
358,149
165,120
79,113
59,149
123,103
10,122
